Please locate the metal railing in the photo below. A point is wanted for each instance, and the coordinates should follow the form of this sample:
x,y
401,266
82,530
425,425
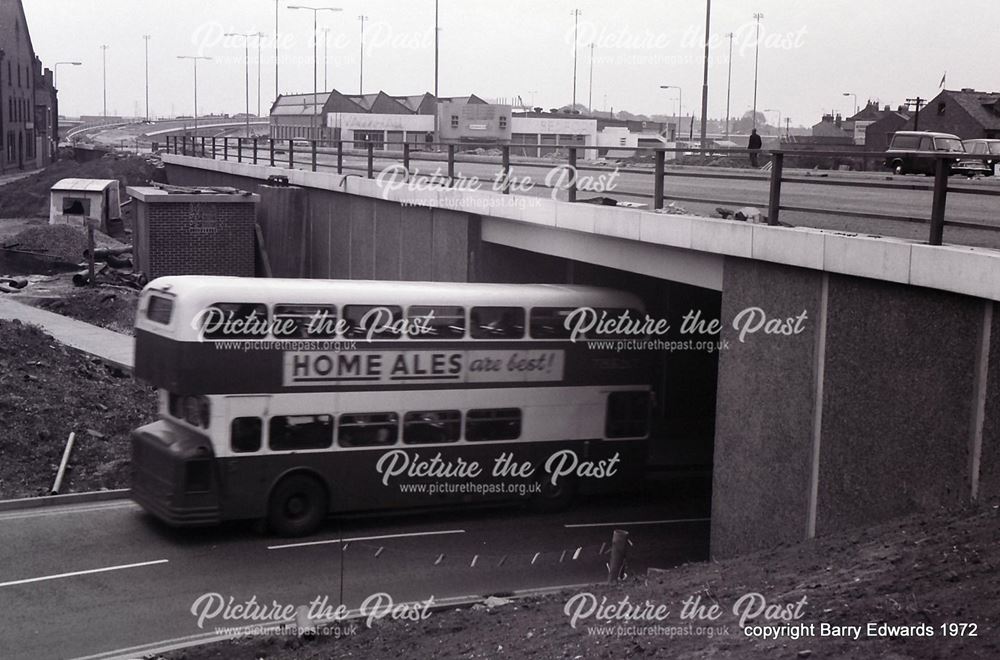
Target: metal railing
x,y
293,153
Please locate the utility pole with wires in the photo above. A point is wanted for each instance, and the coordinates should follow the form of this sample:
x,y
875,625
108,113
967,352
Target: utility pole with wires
x,y
916,103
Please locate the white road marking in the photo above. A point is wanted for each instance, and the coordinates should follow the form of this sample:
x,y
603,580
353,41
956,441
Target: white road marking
x,y
61,511
88,572
364,538
640,522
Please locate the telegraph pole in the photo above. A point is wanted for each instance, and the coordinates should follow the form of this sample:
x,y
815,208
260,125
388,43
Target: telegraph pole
x,y
917,103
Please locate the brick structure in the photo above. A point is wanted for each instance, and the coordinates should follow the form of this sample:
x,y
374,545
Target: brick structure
x,y
966,113
194,233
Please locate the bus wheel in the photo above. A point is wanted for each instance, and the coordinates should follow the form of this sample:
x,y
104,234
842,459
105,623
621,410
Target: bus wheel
x,y
298,506
552,498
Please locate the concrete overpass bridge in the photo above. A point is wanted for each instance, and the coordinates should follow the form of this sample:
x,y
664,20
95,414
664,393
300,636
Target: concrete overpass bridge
x,y
883,400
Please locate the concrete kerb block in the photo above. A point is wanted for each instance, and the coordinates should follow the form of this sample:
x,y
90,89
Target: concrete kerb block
x,y
618,222
965,270
665,229
729,237
789,246
867,256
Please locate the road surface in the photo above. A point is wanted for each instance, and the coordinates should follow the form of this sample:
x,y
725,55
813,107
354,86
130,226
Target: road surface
x,y
99,579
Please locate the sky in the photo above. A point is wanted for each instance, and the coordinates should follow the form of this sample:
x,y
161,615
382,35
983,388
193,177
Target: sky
x,y
810,52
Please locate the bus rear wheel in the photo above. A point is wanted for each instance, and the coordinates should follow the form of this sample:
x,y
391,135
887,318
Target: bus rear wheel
x,y
297,507
552,498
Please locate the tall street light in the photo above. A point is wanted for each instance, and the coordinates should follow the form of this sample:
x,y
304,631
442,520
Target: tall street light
x,y
195,58
246,56
855,100
729,84
576,26
146,38
277,39
756,59
361,80
260,37
437,52
680,105
55,71
590,93
104,66
704,84
315,11
326,59
779,118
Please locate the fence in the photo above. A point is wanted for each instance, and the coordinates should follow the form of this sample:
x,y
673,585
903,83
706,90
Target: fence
x,y
341,155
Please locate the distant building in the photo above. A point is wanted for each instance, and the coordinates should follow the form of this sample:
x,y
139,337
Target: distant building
x,y
879,134
966,113
28,106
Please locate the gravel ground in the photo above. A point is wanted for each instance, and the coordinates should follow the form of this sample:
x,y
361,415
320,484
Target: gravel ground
x,y
47,391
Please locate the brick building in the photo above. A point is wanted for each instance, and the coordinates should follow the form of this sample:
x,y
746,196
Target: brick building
x,y
28,107
966,113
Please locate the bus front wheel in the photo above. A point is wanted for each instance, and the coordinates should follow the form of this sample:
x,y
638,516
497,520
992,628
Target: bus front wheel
x,y
297,507
551,498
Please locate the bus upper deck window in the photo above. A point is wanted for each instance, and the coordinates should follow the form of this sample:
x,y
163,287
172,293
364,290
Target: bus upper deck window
x,y
300,432
244,434
424,428
550,322
499,424
234,321
305,321
381,321
496,323
159,309
436,322
368,429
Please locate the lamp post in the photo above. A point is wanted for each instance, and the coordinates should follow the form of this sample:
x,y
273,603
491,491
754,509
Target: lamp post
x,y
779,118
246,57
260,37
315,11
855,100
704,83
756,60
195,58
361,79
680,105
576,26
277,39
146,38
729,84
104,67
590,97
326,59
55,71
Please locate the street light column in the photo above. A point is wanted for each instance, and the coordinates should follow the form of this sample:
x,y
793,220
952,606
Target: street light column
x,y
756,60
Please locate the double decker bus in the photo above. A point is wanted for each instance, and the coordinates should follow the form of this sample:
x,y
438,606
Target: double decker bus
x,y
287,400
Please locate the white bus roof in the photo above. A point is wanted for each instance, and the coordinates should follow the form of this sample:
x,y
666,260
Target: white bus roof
x,y
201,291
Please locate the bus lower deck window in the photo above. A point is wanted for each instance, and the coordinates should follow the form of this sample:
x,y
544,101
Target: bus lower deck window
x,y
300,432
368,429
496,323
244,434
628,415
499,424
424,428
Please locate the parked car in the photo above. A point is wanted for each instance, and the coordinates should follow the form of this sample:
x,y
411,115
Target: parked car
x,y
981,147
912,152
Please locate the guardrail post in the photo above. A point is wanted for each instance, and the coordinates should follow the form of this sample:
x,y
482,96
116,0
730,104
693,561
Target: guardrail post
x,y
505,165
202,146
451,164
225,148
658,174
941,168
184,146
314,153
371,160
215,151
571,191
255,150
340,156
239,150
774,200
270,150
291,154
406,157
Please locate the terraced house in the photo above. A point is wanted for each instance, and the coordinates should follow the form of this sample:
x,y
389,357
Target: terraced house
x,y
28,107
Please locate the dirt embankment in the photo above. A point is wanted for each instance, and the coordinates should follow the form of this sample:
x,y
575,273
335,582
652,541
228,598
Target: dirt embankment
x,y
47,391
930,570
